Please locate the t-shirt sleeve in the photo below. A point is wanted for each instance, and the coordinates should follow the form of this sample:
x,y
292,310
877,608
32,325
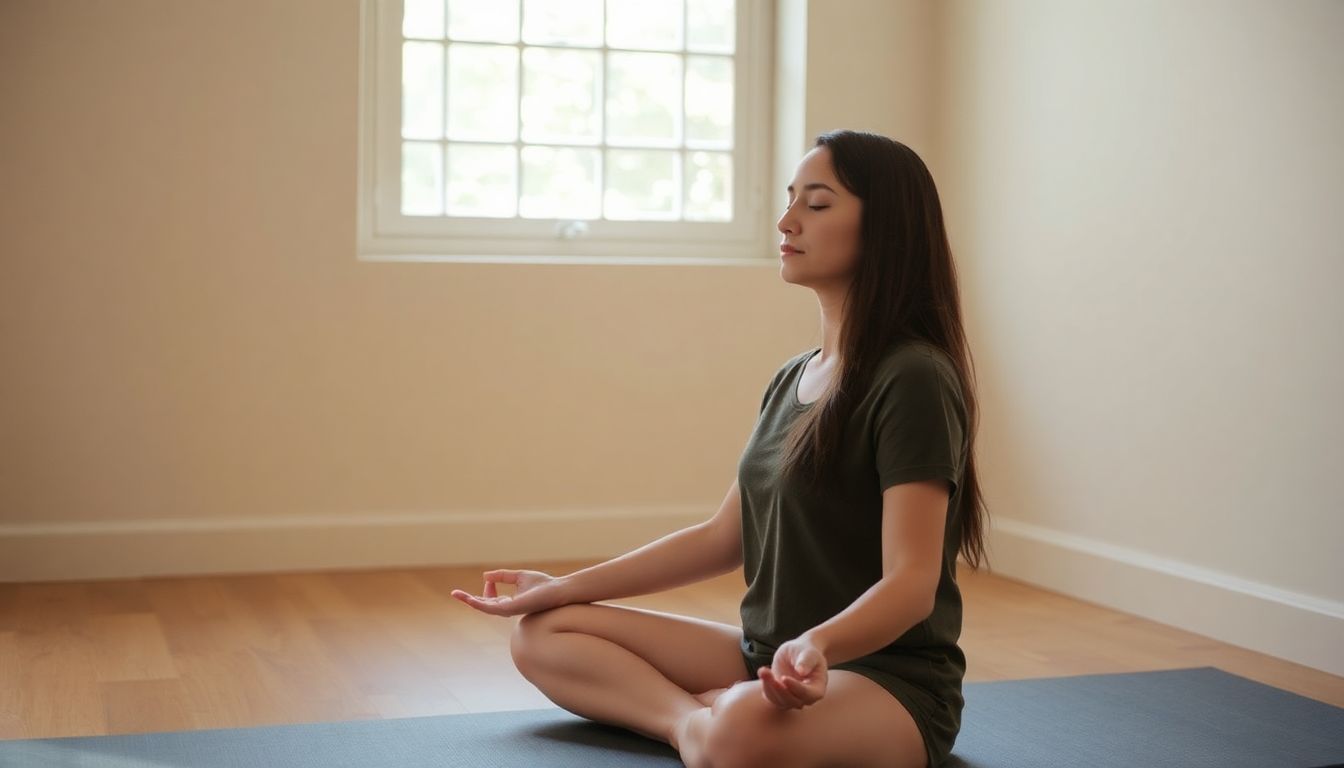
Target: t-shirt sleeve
x,y
770,388
765,398
918,424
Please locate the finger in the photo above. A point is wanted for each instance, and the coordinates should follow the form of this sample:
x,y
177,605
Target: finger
x,y
506,576
494,606
800,690
779,693
769,690
471,601
467,598
498,601
810,659
490,589
767,686
795,690
788,692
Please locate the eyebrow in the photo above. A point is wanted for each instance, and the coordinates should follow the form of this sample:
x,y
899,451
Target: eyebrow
x,y
813,185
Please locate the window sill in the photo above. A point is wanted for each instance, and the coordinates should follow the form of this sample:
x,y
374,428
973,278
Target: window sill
x,y
763,261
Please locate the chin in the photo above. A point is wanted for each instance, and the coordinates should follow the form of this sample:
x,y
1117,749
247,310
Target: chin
x,y
791,271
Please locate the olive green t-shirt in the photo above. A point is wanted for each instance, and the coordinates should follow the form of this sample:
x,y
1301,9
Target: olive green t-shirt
x,y
809,552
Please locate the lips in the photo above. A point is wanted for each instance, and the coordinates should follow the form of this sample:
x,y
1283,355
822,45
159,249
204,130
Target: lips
x,y
788,249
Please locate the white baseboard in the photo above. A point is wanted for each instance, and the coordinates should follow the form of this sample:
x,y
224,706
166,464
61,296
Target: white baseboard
x,y
136,548
1288,625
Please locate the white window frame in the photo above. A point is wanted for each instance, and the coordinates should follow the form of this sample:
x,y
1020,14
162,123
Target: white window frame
x,y
384,234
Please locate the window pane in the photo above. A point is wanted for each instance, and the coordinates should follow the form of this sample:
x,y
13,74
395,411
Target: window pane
x,y
422,18
482,92
560,182
644,24
481,179
711,25
641,184
709,186
709,100
421,90
568,22
421,179
643,98
491,21
562,96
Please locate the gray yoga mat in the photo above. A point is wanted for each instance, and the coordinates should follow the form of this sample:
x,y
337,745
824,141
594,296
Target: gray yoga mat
x,y
1184,717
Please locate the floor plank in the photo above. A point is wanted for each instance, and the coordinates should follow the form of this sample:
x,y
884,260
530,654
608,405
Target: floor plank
x,y
165,654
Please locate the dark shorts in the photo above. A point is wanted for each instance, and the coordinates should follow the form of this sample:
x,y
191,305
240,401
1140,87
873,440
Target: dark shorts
x,y
936,725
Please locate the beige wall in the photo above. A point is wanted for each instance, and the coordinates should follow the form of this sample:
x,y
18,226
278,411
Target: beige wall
x,y
1145,199
199,375
870,67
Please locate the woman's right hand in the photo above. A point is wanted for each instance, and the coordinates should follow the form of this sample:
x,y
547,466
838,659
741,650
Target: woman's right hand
x,y
534,591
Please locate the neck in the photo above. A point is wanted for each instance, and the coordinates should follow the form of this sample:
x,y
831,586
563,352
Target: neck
x,y
831,303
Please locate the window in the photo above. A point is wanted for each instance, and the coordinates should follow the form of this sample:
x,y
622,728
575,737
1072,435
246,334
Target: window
x,y
544,128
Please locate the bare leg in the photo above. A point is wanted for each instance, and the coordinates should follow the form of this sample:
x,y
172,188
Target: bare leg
x,y
857,723
600,680
651,672
688,737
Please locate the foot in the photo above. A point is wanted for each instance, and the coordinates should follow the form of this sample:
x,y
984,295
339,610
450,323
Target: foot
x,y
688,737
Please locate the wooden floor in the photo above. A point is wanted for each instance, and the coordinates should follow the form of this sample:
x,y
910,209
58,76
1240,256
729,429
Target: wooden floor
x,y
167,654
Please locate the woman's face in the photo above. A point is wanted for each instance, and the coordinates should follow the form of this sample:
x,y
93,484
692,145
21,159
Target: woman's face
x,y
822,222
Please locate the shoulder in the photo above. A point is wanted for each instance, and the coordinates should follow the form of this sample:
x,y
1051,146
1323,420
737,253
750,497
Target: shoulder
x,y
798,358
916,359
785,367
916,374
792,363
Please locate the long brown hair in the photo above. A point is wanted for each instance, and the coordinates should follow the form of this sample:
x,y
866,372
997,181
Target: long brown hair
x,y
904,287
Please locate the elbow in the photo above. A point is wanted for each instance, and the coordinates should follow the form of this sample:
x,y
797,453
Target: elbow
x,y
732,558
727,545
926,610
916,592
929,601
923,604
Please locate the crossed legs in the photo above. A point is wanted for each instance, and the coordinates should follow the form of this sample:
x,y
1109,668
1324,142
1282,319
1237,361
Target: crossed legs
x,y
681,680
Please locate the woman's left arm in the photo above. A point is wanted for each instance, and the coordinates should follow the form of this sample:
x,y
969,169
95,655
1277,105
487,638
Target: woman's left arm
x,y
914,515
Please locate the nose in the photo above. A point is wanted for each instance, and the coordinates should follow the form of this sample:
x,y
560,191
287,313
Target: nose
x,y
786,223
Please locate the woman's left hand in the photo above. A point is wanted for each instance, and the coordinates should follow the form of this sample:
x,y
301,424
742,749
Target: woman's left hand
x,y
796,677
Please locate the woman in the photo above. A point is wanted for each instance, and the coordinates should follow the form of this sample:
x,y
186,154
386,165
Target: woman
x,y
854,494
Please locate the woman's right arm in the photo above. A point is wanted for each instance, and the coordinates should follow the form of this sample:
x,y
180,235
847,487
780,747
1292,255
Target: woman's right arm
x,y
691,554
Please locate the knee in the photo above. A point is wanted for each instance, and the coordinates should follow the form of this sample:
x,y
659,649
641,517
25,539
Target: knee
x,y
520,639
745,730
529,635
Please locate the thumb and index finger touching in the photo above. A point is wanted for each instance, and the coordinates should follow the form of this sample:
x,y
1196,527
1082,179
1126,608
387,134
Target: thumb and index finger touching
x,y
807,662
801,666
491,577
505,575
